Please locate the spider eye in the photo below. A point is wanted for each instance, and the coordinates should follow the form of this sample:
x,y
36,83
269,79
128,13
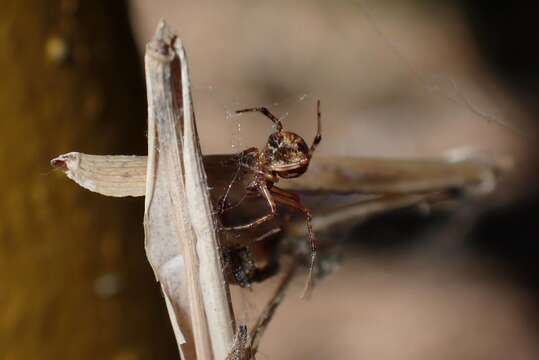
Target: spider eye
x,y
302,146
274,141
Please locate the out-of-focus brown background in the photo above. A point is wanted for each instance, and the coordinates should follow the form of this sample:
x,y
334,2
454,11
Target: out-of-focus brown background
x,y
395,78
388,73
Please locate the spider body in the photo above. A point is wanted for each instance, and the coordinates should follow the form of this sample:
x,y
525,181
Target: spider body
x,y
285,155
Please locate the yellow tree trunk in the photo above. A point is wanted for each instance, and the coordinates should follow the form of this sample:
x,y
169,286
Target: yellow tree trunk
x,y
74,282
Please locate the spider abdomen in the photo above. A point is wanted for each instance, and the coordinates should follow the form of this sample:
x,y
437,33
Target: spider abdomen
x,y
287,154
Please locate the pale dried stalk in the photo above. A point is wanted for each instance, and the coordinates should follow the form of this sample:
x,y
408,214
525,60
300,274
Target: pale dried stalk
x,y
165,213
217,302
178,215
326,174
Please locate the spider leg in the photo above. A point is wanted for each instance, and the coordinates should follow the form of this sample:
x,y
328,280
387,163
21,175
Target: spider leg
x,y
221,204
277,190
318,136
273,210
289,200
251,150
266,112
289,166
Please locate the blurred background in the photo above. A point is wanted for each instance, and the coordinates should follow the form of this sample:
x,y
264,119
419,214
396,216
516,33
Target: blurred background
x,y
395,78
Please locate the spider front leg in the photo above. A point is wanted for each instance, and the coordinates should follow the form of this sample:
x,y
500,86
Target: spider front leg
x,y
318,136
263,188
265,112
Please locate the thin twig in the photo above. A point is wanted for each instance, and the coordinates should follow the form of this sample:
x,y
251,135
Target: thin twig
x,y
267,314
240,347
243,349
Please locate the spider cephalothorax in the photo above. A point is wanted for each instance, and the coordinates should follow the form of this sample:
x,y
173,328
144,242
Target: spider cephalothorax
x,y
285,155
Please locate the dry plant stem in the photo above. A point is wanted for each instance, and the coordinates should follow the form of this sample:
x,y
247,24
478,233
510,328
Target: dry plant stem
x,y
240,348
267,314
244,349
393,176
362,210
165,219
217,302
326,174
178,225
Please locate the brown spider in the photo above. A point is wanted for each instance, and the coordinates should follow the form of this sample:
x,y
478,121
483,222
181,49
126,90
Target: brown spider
x,y
286,155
